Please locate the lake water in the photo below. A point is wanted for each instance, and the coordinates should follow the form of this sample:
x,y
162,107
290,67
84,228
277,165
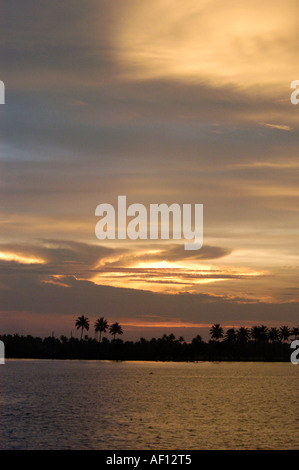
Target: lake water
x,y
49,404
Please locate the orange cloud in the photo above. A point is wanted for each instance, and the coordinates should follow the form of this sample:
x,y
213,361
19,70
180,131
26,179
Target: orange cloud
x,y
20,258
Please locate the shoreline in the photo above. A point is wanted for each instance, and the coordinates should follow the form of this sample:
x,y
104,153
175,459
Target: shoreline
x,y
249,360
165,349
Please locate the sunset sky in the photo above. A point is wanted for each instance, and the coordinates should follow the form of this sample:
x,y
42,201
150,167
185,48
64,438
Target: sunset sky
x,y
164,102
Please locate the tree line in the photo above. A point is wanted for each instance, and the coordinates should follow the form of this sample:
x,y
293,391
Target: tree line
x,y
257,333
258,343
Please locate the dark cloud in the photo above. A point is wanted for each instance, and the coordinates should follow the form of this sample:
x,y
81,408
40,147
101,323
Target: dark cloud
x,y
54,39
56,257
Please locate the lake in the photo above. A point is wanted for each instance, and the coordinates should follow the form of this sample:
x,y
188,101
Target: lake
x,y
56,404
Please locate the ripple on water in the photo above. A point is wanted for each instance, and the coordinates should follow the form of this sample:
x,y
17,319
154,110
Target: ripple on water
x,y
131,405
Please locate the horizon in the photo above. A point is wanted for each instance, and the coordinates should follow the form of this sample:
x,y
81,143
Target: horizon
x,y
204,333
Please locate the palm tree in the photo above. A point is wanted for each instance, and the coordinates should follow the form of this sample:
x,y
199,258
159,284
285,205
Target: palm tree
x,y
243,334
216,331
295,332
230,335
263,333
101,325
259,333
83,323
255,333
273,335
115,329
285,332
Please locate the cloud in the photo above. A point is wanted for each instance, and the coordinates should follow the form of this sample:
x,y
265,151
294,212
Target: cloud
x,y
58,306
60,257
55,257
172,252
277,126
215,41
155,267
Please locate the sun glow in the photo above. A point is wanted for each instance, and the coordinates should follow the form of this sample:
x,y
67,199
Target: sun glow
x,y
21,259
165,276
158,265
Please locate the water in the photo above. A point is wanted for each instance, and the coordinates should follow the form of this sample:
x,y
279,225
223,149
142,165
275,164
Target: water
x,y
148,405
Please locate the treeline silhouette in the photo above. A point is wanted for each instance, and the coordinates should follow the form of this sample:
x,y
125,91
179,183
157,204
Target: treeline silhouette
x,y
259,343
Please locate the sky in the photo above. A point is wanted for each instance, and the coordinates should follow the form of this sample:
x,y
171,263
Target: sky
x,y
164,102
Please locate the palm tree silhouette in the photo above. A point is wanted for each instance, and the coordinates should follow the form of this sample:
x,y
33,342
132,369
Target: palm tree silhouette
x,y
285,332
259,333
295,332
243,334
216,331
115,329
273,334
83,323
255,333
101,325
230,335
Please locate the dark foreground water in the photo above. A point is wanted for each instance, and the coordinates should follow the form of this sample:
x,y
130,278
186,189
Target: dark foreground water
x,y
48,404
